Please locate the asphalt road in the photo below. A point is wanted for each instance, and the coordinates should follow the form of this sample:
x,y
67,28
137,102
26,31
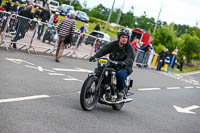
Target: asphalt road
x,y
36,96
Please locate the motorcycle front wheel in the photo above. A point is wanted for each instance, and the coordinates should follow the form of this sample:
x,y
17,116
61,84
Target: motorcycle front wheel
x,y
89,94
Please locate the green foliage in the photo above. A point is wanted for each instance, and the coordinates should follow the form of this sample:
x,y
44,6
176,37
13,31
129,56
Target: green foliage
x,y
145,23
191,47
166,36
158,48
97,21
100,12
127,19
181,29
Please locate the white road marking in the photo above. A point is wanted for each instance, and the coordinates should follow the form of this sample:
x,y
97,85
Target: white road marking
x,y
23,98
72,70
187,109
18,61
197,86
149,89
39,68
194,81
56,74
173,88
190,73
71,78
188,87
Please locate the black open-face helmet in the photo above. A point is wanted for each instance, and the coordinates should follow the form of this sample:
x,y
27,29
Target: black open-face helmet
x,y
123,31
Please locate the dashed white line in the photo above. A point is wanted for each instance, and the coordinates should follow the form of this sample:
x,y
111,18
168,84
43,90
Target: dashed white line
x,y
56,74
173,88
188,87
149,89
23,98
197,86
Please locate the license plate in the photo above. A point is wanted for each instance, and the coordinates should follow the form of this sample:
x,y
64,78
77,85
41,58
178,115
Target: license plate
x,y
103,61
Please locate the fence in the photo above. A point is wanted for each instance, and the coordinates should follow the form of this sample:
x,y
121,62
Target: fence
x,y
36,36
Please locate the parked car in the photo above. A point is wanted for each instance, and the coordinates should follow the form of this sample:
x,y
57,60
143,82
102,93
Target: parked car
x,y
37,3
104,39
53,5
82,16
65,9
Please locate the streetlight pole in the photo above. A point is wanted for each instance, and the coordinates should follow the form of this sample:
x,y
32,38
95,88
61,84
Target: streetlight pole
x,y
71,2
154,30
120,13
109,16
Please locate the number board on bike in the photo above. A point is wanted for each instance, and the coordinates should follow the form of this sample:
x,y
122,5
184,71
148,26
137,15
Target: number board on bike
x,y
103,61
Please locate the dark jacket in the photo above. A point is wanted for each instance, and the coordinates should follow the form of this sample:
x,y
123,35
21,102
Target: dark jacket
x,y
24,22
21,9
162,56
7,6
125,54
45,16
36,14
27,14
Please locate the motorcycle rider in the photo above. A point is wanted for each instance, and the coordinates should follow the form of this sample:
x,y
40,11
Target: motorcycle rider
x,y
122,52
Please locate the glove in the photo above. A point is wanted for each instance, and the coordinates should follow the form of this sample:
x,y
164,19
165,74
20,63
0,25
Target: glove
x,y
92,59
121,64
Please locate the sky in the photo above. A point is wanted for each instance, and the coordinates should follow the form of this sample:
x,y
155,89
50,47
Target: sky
x,y
173,11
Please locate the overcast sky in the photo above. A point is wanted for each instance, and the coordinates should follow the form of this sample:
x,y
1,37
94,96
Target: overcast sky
x,y
177,11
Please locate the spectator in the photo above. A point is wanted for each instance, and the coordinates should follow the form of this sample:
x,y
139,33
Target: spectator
x,y
36,13
66,29
161,59
23,25
8,5
15,7
54,19
51,27
182,62
44,3
44,16
97,27
135,44
82,31
22,8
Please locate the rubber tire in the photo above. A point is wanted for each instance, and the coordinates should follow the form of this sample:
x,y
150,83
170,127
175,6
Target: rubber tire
x,y
84,88
117,106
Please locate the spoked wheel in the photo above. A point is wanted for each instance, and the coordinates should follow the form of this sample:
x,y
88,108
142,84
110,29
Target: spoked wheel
x,y
89,93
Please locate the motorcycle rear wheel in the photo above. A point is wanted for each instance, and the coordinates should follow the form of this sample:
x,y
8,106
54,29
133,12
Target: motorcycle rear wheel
x,y
89,94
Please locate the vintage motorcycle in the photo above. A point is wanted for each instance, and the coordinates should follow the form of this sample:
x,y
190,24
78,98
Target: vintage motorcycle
x,y
101,86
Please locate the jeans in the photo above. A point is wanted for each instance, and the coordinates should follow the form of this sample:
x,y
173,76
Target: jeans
x,y
40,31
121,77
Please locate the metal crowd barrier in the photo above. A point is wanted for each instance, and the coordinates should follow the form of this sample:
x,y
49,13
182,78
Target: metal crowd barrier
x,y
145,59
42,37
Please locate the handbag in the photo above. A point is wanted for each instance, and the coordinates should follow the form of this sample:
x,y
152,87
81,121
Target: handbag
x,y
68,39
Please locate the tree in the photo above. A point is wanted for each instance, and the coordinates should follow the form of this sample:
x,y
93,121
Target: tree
x,y
114,16
145,23
166,36
191,47
100,12
127,19
181,29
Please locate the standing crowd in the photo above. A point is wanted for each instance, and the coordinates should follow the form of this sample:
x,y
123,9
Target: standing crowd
x,y
28,20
